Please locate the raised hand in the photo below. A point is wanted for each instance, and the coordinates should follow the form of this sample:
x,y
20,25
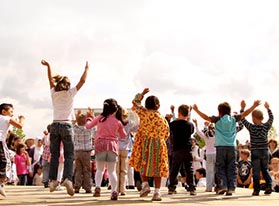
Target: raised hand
x,y
195,107
145,91
257,103
44,62
195,122
266,105
172,108
90,113
86,65
243,104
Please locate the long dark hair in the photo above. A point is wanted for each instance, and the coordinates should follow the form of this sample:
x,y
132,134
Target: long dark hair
x,y
119,115
110,107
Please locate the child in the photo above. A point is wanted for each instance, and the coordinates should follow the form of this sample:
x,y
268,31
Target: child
x,y
209,138
201,177
181,130
22,161
225,143
273,149
106,144
124,146
62,96
150,155
46,156
274,173
6,114
38,178
259,147
83,147
244,166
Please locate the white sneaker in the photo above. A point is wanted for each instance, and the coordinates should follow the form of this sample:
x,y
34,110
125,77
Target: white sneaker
x,y
2,190
69,186
145,191
53,185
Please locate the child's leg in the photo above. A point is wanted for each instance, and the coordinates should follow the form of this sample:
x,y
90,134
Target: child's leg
x,y
221,153
123,170
87,181
265,170
176,163
78,170
99,173
60,172
45,172
231,168
130,177
111,166
55,140
256,170
210,171
3,163
188,164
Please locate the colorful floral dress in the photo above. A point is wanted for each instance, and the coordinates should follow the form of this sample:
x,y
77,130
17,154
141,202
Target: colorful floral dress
x,y
150,154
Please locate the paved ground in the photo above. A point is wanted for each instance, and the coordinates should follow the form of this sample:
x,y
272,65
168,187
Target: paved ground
x,y
17,195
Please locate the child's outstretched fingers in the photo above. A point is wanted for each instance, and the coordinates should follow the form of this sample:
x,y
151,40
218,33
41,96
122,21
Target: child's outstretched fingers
x,y
195,107
44,62
243,104
145,91
257,103
195,122
86,65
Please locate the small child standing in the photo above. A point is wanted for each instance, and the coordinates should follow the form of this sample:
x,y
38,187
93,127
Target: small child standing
x,y
46,156
259,148
124,146
38,178
22,161
83,147
150,155
244,167
181,130
6,114
225,143
209,138
106,144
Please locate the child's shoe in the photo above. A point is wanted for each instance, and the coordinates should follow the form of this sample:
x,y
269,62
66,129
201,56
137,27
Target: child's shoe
x,y
97,192
69,186
53,185
156,197
145,191
268,191
114,196
2,190
256,193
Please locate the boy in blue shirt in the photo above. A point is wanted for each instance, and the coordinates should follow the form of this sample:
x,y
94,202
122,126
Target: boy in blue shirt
x,y
225,143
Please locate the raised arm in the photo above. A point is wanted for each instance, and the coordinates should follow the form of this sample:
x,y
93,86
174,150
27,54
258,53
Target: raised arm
x,y
83,77
17,123
49,73
202,115
251,109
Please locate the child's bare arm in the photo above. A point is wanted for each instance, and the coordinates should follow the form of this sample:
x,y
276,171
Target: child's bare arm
x,y
202,115
17,123
83,77
49,73
248,111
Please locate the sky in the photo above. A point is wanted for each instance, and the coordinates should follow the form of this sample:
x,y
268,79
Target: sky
x,y
186,52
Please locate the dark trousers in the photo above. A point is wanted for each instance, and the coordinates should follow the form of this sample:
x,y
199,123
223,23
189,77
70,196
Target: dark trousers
x,y
3,161
260,161
180,159
61,132
226,167
22,179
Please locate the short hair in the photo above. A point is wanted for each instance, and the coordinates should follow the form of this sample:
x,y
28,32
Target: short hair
x,y
258,114
5,106
274,159
183,110
202,171
224,108
61,83
273,140
152,103
81,120
245,152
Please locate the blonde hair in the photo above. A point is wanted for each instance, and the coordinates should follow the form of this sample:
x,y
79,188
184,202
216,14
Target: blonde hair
x,y
258,114
245,152
81,120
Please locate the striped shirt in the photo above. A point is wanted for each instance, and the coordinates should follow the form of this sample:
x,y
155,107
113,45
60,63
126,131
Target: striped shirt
x,y
258,133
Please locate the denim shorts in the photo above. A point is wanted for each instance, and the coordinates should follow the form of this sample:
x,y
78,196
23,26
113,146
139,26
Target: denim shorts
x,y
107,156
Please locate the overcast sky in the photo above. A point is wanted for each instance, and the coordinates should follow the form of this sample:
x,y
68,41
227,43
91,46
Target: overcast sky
x,y
203,52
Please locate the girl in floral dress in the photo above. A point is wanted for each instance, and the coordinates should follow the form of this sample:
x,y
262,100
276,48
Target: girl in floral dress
x,y
150,155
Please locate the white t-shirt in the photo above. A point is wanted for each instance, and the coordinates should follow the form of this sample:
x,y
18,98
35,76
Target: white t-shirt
x,y
63,103
201,182
4,127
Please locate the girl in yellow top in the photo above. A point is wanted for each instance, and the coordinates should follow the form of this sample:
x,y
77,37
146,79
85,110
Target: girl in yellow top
x,y
150,155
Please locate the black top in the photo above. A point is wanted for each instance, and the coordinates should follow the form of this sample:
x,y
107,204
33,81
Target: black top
x,y
181,131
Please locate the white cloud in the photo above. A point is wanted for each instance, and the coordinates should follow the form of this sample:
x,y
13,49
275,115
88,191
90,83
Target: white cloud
x,y
200,52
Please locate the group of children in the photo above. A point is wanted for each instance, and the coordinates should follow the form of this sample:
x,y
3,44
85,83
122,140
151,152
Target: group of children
x,y
151,156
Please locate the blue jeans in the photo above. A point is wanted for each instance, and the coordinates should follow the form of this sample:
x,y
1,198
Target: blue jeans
x,y
260,161
226,167
61,132
210,171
